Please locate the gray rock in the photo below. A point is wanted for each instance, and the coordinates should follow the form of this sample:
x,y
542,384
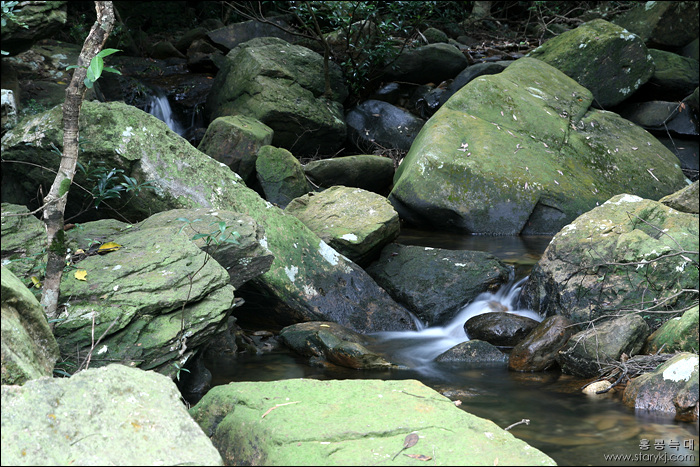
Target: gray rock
x,y
369,172
430,63
29,350
107,416
435,283
376,125
473,351
501,328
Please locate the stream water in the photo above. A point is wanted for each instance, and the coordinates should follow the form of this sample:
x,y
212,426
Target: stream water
x,y
570,427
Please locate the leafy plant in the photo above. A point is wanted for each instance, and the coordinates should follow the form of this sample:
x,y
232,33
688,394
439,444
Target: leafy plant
x,y
110,183
179,369
96,67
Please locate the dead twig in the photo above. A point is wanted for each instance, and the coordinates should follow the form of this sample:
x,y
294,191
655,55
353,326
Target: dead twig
x,y
278,405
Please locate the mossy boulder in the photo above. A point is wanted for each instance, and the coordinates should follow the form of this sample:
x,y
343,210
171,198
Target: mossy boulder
x,y
24,241
352,422
606,59
29,350
235,141
679,334
129,416
521,152
628,254
307,274
150,303
280,175
662,24
355,222
283,86
366,171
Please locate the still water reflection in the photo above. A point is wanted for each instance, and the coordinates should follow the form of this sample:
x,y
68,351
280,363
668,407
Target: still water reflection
x,y
570,427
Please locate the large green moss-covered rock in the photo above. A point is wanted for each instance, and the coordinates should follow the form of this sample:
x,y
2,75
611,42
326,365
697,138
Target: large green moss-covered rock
x,y
352,422
662,24
150,303
29,350
521,152
606,59
307,274
24,241
106,416
282,85
628,254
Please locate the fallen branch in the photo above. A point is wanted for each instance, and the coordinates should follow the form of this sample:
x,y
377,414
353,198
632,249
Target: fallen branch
x,y
524,420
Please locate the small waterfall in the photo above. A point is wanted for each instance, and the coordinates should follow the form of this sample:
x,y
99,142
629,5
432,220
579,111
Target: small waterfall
x,y
417,349
159,107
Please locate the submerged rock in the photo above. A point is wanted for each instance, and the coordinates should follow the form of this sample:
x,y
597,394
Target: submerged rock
x,y
325,342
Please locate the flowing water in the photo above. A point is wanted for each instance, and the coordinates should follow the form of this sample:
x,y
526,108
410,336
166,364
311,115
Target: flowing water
x,y
570,427
159,106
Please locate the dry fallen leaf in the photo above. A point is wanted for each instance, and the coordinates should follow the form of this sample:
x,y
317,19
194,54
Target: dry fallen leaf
x,y
420,457
81,274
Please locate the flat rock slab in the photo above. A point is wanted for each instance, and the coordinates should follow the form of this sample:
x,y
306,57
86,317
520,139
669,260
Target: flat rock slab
x,y
107,416
351,422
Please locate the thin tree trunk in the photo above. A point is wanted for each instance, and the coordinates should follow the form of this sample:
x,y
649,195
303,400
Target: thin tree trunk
x,y
55,200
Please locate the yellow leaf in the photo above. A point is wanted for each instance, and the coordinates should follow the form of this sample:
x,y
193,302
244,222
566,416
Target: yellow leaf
x,y
36,282
79,251
81,274
109,246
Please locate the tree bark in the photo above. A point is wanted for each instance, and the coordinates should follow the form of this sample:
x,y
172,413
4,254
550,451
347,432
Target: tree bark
x,y
55,200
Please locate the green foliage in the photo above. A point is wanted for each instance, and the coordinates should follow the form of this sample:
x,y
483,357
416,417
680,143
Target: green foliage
x,y
179,369
368,35
221,234
110,183
96,67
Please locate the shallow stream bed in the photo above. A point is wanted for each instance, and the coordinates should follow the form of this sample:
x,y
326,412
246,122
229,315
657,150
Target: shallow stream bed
x,y
570,427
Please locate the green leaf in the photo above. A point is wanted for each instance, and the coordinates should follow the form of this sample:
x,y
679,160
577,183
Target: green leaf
x,y
106,52
112,70
96,66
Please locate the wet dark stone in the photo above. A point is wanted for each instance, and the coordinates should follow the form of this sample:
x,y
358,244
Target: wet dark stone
x,y
501,328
